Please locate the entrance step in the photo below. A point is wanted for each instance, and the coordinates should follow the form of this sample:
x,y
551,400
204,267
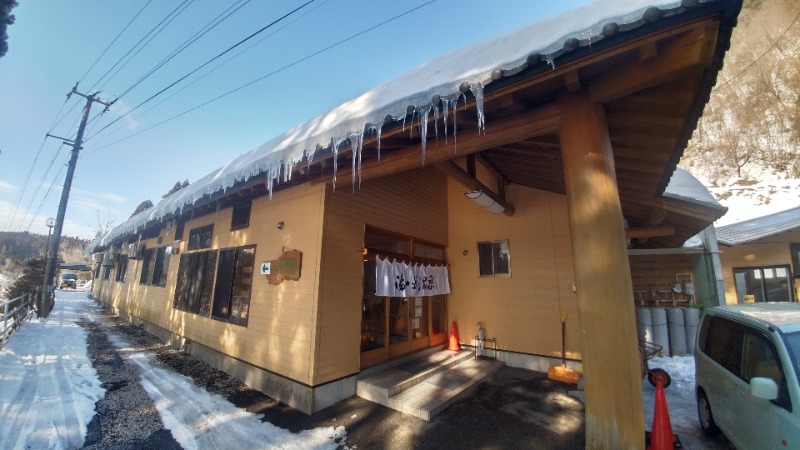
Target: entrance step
x,y
425,386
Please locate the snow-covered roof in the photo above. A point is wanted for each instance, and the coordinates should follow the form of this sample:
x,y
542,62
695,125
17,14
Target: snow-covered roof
x,y
427,89
684,186
760,227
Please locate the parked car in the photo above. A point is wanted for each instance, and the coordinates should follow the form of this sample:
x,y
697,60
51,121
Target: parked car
x,y
746,373
68,280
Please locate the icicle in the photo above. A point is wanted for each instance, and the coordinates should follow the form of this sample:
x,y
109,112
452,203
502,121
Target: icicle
x,y
445,107
356,144
551,62
411,128
423,131
379,140
335,150
436,121
455,127
478,92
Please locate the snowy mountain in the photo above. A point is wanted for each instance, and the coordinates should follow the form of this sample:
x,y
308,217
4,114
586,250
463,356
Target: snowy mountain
x,y
747,199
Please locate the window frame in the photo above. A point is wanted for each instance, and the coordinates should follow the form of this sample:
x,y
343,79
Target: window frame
x,y
197,237
122,269
763,288
794,249
240,215
222,306
495,246
194,294
155,266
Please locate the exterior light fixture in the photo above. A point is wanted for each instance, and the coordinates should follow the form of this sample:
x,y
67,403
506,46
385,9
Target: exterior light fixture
x,y
484,200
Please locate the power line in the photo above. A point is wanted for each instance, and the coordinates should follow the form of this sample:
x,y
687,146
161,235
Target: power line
x,y
45,197
203,65
155,29
113,41
730,80
186,44
223,63
274,72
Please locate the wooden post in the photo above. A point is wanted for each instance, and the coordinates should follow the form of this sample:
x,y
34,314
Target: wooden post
x,y
609,345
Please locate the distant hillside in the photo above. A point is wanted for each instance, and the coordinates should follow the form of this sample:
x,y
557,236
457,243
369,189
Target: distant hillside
x,y
22,246
750,129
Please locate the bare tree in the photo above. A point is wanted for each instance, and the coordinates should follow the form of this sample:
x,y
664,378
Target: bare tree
x,y
105,221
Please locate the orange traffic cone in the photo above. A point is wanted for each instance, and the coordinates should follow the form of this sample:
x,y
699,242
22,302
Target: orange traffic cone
x,y
454,344
661,437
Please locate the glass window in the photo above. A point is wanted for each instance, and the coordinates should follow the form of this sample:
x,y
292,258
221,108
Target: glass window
x,y
233,285
241,215
438,314
419,318
398,320
386,242
122,268
200,237
194,282
373,322
722,342
428,251
764,284
794,248
179,230
494,259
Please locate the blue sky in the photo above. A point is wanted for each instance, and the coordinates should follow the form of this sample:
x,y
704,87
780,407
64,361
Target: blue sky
x,y
54,43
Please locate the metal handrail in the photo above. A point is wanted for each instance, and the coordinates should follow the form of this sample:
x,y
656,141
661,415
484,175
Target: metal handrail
x,y
13,316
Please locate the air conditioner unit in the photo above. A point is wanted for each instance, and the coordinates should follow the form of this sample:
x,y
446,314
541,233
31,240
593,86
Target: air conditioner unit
x,y
135,250
108,259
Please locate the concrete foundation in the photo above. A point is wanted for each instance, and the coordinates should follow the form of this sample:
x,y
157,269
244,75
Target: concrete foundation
x,y
308,399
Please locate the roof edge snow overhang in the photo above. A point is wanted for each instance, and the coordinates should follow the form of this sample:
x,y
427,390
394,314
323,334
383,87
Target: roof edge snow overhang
x,y
534,75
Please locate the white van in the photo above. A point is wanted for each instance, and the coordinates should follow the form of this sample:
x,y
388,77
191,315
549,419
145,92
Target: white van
x,y
746,373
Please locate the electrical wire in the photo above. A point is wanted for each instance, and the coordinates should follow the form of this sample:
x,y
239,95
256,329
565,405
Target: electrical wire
x,y
39,187
113,41
205,64
733,78
123,58
46,196
186,44
222,64
274,72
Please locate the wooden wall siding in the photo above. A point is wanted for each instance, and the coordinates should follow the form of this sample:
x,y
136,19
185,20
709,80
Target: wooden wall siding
x,y
412,203
770,251
522,311
657,273
281,327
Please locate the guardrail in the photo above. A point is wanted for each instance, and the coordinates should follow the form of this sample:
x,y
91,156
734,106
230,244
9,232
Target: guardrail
x,y
15,311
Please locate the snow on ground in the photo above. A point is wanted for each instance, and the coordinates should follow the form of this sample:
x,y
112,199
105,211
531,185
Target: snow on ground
x,y
748,200
48,386
202,420
48,390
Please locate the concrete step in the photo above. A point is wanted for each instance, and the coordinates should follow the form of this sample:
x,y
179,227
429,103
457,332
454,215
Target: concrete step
x,y
426,386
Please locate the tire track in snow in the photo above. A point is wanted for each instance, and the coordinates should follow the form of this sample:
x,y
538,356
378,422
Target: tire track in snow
x,y
198,419
18,411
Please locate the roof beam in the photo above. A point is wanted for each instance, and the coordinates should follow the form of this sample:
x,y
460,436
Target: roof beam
x,y
688,52
455,172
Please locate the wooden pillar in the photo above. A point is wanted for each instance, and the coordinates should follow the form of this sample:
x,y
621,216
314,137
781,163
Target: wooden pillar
x,y
609,345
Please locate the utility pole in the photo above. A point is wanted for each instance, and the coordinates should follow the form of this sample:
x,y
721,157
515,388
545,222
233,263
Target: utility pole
x,y
52,253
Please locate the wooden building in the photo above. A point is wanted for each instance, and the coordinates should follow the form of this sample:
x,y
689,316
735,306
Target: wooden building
x,y
560,150
761,258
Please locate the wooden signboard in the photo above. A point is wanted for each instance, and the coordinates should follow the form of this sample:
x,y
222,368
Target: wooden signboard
x,y
286,267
